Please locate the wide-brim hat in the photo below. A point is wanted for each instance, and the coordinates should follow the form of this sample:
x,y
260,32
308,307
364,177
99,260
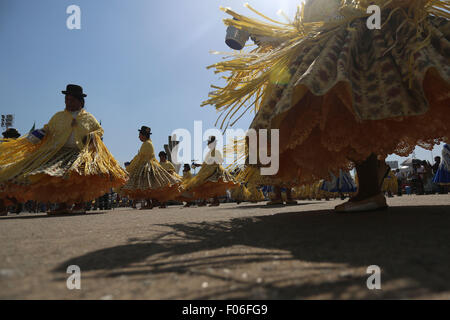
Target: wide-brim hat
x,y
145,130
74,90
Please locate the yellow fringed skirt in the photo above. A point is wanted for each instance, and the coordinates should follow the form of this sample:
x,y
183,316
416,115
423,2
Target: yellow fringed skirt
x,y
240,193
151,181
390,184
62,179
255,194
252,176
211,181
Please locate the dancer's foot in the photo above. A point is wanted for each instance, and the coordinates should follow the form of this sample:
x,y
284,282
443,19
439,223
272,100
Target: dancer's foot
x,y
362,196
371,173
202,204
377,202
291,203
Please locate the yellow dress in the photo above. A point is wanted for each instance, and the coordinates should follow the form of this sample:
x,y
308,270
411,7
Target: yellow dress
x,y
212,180
70,164
240,193
300,192
3,200
169,167
307,192
337,90
390,183
252,177
187,175
319,192
254,194
148,179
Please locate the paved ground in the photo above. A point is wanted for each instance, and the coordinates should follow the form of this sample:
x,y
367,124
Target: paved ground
x,y
231,252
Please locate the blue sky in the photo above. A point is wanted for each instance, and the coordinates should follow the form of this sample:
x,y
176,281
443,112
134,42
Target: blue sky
x,y
141,62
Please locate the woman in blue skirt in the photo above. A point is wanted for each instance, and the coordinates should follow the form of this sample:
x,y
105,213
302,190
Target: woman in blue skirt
x,y
442,176
344,184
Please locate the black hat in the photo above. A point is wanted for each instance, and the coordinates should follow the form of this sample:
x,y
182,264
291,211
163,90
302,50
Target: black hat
x,y
11,133
146,131
74,90
187,166
211,139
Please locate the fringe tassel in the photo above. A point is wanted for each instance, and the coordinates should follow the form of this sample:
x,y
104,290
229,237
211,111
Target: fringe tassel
x,y
95,159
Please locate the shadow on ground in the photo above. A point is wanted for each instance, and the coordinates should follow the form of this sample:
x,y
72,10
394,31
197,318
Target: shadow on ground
x,y
406,242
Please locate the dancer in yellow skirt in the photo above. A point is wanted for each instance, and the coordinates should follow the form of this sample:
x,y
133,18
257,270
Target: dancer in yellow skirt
x,y
187,197
300,193
212,181
390,184
8,135
169,167
344,95
254,179
187,175
320,192
255,194
66,162
253,182
240,193
166,164
148,179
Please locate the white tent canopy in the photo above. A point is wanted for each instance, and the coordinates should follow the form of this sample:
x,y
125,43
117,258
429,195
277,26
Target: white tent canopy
x,y
408,162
